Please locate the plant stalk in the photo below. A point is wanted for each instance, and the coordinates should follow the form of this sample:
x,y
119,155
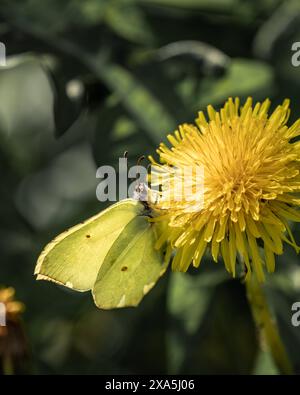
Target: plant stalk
x,y
266,324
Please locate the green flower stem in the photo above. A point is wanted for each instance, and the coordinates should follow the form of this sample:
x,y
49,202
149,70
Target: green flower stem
x,y
267,326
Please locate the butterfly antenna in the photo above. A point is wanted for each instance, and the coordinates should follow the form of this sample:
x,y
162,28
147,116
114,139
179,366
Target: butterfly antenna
x,y
141,158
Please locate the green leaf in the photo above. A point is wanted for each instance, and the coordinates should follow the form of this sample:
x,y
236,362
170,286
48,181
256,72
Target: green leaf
x,y
141,104
244,78
209,60
128,21
131,268
26,110
283,22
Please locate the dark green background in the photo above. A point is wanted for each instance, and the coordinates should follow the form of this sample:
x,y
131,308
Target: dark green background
x,y
87,80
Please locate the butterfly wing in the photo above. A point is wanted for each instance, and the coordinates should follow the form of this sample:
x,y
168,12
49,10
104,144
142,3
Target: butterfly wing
x,y
131,267
73,258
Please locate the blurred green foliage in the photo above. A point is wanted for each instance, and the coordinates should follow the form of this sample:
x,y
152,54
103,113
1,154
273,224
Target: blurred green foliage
x,y
87,80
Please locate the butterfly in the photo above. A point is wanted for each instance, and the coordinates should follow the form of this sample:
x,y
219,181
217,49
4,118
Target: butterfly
x,y
111,254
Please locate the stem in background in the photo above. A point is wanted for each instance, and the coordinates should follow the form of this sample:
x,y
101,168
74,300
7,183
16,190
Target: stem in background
x,y
266,324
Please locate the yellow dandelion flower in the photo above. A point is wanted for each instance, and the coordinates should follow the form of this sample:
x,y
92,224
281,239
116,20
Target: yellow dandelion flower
x,y
13,344
13,308
251,186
